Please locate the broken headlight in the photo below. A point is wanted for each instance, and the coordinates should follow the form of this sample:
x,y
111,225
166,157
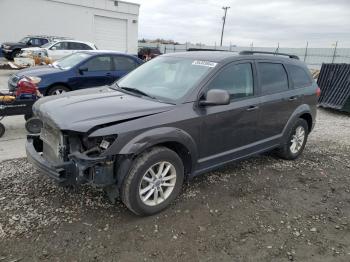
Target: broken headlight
x,y
96,145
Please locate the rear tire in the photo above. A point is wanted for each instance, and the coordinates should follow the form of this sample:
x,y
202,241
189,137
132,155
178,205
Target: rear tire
x,y
15,54
153,182
296,140
57,90
2,130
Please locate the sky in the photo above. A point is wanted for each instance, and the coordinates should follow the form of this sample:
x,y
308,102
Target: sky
x,y
291,23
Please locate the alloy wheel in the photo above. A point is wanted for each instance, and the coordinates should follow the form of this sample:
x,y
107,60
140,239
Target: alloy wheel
x,y
297,140
157,183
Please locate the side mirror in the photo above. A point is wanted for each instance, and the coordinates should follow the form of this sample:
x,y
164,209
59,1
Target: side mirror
x,y
216,97
82,70
29,43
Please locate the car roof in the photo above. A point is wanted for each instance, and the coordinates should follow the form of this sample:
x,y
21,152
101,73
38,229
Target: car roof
x,y
107,52
224,56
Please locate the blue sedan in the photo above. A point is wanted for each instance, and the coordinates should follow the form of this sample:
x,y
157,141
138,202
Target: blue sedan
x,y
79,70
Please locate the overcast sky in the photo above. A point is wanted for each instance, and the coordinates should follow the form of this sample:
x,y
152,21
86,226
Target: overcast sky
x,y
263,22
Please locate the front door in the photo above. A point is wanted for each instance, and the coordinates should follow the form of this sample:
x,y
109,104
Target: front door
x,y
230,130
95,72
59,50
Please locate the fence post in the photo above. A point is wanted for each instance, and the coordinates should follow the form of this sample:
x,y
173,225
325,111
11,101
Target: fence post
x,y
278,47
174,48
165,49
335,52
305,55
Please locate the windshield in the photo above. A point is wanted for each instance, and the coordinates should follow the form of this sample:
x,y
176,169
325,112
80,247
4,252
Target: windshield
x,y
70,61
166,78
24,40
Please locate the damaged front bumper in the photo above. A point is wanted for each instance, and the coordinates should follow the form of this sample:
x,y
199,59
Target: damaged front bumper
x,y
78,169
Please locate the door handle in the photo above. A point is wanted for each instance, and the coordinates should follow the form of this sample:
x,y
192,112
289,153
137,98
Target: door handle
x,y
293,98
252,108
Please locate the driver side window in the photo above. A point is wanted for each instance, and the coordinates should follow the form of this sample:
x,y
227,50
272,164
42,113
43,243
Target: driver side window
x,y
237,79
60,46
99,63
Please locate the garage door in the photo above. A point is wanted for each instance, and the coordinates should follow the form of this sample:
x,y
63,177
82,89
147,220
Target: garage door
x,y
110,33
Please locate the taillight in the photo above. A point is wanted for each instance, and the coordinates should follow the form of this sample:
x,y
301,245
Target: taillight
x,y
26,87
318,92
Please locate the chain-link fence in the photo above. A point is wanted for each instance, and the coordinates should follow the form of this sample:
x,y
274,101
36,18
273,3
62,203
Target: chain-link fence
x,y
313,57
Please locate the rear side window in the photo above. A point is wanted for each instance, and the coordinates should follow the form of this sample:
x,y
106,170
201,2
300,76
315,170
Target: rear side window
x,y
79,46
43,41
273,78
99,63
124,63
299,76
237,79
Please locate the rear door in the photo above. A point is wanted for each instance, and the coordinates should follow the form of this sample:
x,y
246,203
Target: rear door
x,y
122,66
97,71
277,99
228,131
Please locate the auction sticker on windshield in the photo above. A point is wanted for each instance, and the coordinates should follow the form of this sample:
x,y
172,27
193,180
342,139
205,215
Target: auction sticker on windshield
x,y
204,63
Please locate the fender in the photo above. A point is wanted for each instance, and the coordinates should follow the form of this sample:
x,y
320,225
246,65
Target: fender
x,y
158,136
302,109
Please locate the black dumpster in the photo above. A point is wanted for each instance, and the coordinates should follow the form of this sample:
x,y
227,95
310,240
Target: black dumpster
x,y
334,82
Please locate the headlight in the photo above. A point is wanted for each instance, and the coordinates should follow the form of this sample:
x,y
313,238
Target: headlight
x,y
34,79
6,46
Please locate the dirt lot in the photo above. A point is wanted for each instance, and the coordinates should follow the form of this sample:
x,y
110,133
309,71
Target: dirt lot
x,y
262,209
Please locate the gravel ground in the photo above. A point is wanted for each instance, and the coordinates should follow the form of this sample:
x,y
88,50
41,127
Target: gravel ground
x,y
261,209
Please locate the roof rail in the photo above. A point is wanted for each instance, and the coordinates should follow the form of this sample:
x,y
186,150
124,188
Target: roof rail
x,y
248,52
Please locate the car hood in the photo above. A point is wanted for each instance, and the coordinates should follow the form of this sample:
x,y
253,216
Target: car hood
x,y
32,49
88,109
14,44
39,71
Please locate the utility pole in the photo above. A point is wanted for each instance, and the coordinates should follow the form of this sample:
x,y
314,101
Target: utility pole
x,y
223,24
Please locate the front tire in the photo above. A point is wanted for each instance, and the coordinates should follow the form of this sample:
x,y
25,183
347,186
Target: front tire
x,y
57,90
154,181
296,140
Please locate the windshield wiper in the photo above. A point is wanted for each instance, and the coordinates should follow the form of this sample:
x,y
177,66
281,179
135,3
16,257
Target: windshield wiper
x,y
136,91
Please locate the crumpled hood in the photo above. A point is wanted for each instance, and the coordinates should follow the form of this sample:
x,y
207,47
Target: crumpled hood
x,y
39,71
83,110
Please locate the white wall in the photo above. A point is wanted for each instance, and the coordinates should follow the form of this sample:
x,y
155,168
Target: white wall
x,y
69,18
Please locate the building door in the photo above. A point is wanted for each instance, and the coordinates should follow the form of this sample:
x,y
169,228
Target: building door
x,y
110,33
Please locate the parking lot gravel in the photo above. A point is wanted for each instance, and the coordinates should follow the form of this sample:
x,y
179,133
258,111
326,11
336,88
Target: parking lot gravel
x,y
261,209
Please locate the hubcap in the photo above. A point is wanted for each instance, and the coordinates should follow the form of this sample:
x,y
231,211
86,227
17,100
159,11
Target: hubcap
x,y
157,183
297,140
59,91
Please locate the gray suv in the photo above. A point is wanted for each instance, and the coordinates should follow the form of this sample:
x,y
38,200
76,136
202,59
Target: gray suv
x,y
173,118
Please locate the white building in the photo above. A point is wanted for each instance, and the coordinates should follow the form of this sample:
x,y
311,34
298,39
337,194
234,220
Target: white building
x,y
110,24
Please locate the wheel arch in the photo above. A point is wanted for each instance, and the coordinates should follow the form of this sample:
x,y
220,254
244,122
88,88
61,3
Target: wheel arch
x,y
175,139
303,111
47,90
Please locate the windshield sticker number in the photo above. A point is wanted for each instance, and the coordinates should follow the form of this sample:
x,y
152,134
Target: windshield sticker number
x,y
204,63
